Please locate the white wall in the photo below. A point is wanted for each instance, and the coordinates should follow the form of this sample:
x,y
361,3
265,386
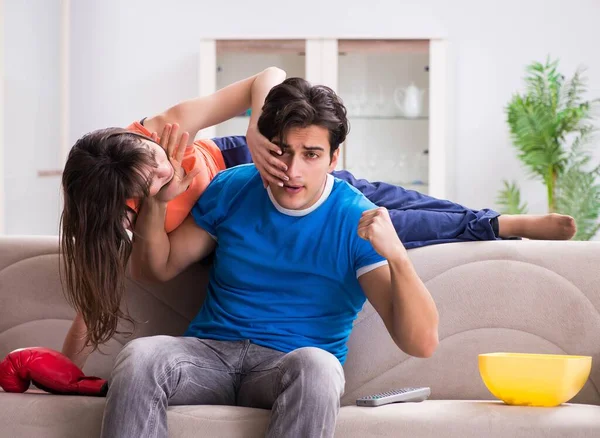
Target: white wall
x,y
2,215
133,58
31,115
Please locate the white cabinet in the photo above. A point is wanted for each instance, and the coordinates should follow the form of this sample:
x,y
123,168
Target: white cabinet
x,y
385,85
395,91
233,60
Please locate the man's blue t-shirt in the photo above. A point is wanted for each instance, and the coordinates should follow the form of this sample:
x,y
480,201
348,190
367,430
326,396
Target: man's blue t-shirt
x,y
283,279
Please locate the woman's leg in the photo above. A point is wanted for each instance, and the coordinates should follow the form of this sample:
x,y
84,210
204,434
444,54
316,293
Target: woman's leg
x,y
422,220
234,149
542,227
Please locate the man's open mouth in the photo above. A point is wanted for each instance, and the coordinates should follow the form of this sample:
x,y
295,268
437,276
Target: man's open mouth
x,y
292,189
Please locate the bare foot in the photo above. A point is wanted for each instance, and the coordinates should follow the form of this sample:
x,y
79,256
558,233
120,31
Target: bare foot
x,y
544,227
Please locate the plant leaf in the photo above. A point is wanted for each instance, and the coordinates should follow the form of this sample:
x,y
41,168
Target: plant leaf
x,y
578,195
509,199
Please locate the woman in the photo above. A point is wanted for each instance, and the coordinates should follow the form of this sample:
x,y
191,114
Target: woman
x,y
108,172
108,169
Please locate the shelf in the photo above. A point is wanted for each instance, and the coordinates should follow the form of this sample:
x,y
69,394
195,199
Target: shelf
x,y
261,46
351,117
407,185
421,188
383,46
298,46
49,173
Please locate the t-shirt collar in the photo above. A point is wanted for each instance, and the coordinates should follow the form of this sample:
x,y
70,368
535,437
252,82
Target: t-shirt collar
x,y
304,212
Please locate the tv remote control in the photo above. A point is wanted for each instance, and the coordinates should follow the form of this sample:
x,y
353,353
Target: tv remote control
x,y
395,396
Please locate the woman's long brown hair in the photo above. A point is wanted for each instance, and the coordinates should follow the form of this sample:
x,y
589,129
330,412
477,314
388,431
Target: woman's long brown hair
x,y
104,170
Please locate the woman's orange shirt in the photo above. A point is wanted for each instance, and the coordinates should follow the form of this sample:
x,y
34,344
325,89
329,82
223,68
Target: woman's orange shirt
x,y
204,154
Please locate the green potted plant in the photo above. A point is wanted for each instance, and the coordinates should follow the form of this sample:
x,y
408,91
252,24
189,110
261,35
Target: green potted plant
x,y
551,128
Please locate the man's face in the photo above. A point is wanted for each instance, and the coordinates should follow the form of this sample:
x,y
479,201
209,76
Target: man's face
x,y
306,154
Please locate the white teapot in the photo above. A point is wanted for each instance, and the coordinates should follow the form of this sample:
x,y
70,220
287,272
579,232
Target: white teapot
x,y
409,100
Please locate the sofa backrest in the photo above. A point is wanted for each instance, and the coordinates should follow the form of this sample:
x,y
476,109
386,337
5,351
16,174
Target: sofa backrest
x,y
521,296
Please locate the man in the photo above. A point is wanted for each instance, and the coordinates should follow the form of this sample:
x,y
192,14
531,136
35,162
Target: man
x,y
292,268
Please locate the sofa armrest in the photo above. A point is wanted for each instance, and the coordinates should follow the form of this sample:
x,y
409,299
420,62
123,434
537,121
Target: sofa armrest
x,y
33,310
522,296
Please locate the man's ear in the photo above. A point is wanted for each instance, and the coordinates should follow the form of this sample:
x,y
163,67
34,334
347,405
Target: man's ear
x,y
334,160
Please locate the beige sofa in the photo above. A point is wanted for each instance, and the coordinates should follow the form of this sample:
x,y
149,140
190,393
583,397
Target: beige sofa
x,y
492,296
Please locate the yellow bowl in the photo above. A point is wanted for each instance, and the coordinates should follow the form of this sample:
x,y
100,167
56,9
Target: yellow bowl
x,y
534,379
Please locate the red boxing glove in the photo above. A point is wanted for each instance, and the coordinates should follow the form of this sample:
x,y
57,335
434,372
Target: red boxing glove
x,y
49,370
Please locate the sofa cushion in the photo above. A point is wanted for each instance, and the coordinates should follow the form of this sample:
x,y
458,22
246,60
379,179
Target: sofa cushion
x,y
50,416
529,296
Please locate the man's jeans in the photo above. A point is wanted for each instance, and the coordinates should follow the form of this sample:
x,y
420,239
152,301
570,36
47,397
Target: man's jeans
x,y
303,388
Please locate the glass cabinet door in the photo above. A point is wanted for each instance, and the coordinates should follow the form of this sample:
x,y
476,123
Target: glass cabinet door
x,y
397,135
385,85
239,59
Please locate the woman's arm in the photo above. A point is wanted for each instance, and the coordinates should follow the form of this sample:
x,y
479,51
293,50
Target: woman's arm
x,y
199,113
74,345
156,255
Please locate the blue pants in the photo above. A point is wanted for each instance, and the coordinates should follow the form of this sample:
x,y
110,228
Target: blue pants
x,y
419,220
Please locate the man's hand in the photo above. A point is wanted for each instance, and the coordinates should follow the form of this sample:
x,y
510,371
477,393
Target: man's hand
x,y
272,170
376,227
175,150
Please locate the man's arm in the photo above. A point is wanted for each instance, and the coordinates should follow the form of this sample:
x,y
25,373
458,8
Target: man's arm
x,y
396,291
195,114
405,306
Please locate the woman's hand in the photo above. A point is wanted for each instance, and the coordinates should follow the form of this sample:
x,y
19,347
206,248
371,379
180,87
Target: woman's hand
x,y
272,170
175,150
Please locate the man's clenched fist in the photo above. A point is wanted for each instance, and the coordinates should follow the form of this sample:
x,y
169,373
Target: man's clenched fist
x,y
376,227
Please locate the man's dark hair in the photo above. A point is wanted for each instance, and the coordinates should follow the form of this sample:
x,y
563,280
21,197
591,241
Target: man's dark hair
x,y
295,103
